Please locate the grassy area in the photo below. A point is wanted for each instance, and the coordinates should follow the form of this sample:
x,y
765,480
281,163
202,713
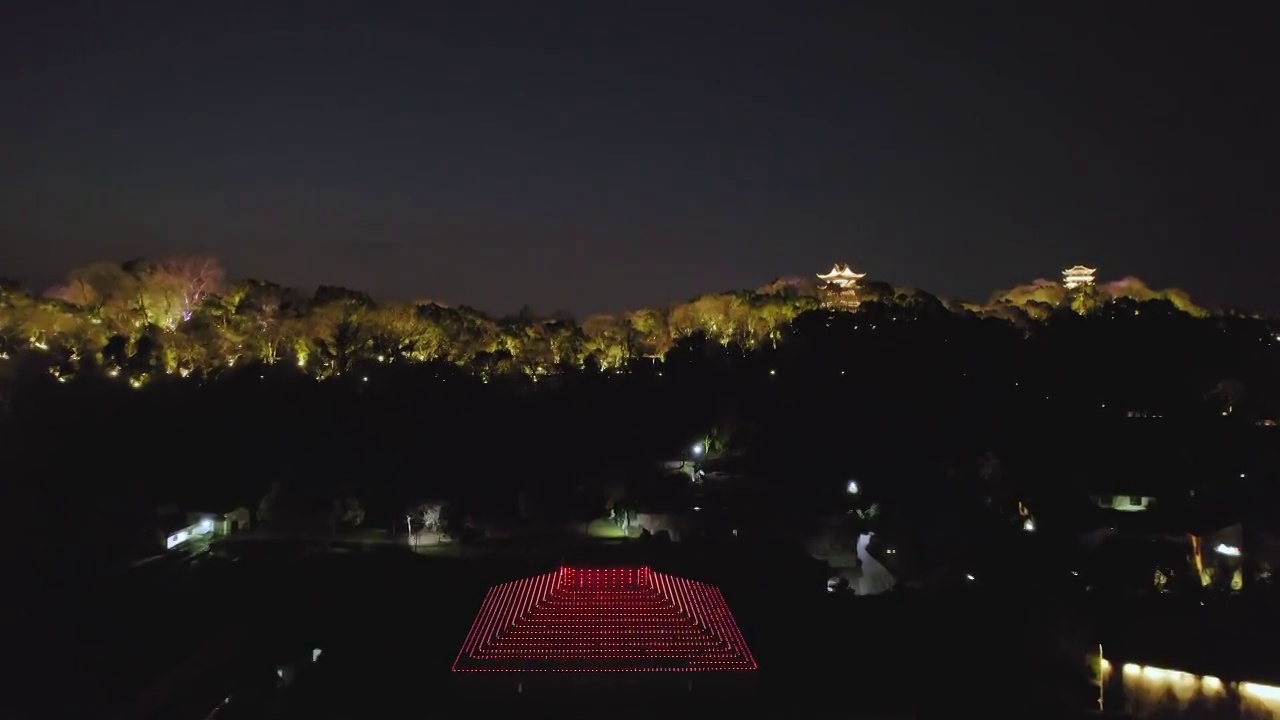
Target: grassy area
x,y
607,529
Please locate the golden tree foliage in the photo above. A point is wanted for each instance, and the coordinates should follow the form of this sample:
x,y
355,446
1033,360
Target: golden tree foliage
x,y
179,316
1039,298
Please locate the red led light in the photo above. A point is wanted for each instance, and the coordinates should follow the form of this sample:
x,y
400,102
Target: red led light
x,y
604,620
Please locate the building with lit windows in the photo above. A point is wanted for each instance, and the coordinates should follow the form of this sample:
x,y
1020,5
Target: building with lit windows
x,y
840,286
1078,276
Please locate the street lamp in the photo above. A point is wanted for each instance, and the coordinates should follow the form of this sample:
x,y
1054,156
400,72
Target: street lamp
x,y
697,449
851,487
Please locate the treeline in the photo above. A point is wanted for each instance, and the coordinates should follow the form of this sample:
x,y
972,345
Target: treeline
x,y
180,317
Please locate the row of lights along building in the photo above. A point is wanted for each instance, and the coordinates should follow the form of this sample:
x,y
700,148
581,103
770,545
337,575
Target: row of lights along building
x,y
840,284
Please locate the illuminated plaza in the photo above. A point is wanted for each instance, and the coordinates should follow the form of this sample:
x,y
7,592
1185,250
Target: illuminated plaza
x,y
604,620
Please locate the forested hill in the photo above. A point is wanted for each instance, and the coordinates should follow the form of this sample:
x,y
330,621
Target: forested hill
x,y
141,321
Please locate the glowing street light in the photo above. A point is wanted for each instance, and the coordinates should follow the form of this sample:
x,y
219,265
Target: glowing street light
x,y
1228,550
697,449
851,487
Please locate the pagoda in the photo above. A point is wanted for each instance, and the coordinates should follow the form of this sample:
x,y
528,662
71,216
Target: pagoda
x,y
1078,276
840,286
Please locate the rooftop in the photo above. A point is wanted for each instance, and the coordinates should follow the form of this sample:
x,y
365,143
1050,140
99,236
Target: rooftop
x,y
841,271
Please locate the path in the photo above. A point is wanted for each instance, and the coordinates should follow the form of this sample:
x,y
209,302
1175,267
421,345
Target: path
x,y
874,578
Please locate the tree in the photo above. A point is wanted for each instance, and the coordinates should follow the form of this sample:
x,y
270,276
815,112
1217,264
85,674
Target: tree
x,y
269,504
401,332
565,342
769,314
338,334
106,293
431,515
1226,395
1044,292
264,317
608,339
348,512
650,331
334,294
1086,299
191,280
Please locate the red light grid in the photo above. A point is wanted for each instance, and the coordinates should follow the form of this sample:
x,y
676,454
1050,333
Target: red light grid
x,y
604,620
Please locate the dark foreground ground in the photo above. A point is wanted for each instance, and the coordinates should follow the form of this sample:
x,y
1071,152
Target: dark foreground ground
x,y
389,624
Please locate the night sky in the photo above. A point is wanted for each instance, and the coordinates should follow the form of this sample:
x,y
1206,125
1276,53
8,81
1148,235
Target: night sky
x,y
601,155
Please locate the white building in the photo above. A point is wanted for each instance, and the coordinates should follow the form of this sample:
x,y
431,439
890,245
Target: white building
x,y
1078,276
840,286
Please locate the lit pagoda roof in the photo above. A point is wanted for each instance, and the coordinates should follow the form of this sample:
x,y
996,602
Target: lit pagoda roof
x,y
604,620
841,271
1074,277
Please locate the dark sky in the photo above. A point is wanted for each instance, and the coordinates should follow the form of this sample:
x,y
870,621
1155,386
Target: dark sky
x,y
602,155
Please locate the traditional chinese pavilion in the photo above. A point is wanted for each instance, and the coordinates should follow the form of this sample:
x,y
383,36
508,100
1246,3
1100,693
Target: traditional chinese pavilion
x,y
1077,276
840,286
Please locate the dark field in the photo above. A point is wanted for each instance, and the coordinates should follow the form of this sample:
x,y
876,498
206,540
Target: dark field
x,y
390,624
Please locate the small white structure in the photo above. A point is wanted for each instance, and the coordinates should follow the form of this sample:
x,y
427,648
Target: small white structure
x,y
1124,503
200,528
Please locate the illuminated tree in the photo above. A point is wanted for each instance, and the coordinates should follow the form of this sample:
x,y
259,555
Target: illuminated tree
x,y
608,340
525,339
400,332
189,281
1086,299
565,340
723,318
684,320
47,323
1042,292
650,332
338,335
105,292
178,316
263,317
467,331
770,313
196,346
430,514
723,437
